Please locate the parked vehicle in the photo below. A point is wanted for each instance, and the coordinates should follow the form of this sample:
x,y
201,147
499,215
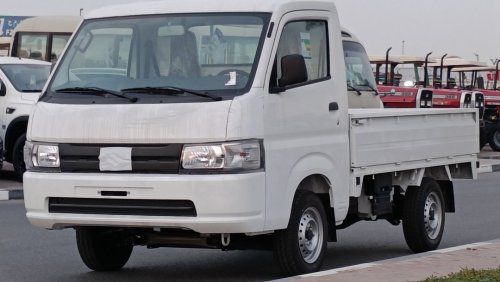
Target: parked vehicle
x,y
429,90
21,82
491,100
227,126
42,38
395,95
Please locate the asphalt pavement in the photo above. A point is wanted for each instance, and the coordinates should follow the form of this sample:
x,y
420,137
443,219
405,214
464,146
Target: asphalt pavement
x,y
481,255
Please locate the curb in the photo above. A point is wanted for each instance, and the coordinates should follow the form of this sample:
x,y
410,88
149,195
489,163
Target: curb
x,y
14,194
330,275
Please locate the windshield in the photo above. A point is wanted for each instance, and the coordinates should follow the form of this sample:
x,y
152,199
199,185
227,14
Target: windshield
x,y
27,78
207,53
359,72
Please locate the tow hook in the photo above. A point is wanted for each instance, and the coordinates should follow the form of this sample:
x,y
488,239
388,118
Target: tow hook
x,y
225,239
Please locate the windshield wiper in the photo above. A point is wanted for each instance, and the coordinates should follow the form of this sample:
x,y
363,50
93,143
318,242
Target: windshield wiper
x,y
96,91
349,87
170,90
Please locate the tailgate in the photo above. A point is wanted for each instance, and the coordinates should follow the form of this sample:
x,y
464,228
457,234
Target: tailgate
x,y
396,136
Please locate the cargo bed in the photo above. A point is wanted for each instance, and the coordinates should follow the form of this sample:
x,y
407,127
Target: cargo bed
x,y
382,139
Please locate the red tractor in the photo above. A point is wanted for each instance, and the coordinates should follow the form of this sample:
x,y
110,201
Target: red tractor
x,y
491,92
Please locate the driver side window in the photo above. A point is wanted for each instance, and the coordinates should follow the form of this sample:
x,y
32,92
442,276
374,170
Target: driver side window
x,y
308,39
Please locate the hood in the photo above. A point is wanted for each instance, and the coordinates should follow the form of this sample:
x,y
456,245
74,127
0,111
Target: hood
x,y
129,123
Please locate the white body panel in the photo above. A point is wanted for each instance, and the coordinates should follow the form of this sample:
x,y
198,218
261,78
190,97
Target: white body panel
x,y
395,136
132,124
213,195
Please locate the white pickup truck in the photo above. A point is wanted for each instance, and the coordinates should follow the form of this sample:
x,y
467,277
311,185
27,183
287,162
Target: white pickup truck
x,y
227,126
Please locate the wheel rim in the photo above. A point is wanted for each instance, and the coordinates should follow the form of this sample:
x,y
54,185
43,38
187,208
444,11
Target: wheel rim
x,y
310,235
433,215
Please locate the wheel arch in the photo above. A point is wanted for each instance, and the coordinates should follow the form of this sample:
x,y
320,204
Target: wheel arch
x,y
320,185
16,127
441,174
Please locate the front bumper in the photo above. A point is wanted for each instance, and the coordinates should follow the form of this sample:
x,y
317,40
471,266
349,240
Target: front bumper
x,y
231,203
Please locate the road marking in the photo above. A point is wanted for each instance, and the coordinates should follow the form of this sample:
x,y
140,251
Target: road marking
x,y
4,195
342,269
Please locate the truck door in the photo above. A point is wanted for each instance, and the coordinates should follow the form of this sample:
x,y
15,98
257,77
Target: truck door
x,y
306,124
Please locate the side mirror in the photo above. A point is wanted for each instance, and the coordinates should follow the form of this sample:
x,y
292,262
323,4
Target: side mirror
x,y
293,70
3,89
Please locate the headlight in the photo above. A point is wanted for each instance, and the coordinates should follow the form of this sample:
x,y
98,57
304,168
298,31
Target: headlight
x,y
243,155
41,156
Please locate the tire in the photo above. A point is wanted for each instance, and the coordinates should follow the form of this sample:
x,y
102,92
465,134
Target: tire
x,y
301,247
423,216
102,249
483,137
18,157
494,139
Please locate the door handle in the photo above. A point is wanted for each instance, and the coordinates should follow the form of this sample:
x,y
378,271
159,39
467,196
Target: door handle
x,y
333,106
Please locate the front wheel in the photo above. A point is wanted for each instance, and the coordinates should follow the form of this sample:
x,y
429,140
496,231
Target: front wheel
x,y
424,216
301,247
18,156
103,249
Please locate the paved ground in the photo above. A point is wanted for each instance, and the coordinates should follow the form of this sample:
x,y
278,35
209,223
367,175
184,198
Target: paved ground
x,y
416,267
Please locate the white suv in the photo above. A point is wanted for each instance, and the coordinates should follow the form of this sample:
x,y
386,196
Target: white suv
x,y
21,83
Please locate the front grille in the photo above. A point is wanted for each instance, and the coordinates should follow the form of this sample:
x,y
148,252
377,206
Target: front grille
x,y
122,207
145,159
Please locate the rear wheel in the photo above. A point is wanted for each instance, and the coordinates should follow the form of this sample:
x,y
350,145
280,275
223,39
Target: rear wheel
x,y
301,247
18,156
495,139
102,249
424,216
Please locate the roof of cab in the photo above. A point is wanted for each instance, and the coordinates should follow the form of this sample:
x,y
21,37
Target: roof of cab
x,y
197,6
21,61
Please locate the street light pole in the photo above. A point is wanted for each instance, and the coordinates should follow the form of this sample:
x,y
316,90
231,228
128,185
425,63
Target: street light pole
x,y
81,10
477,56
403,47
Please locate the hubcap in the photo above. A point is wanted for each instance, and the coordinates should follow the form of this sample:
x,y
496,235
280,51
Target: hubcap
x,y
310,235
433,215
